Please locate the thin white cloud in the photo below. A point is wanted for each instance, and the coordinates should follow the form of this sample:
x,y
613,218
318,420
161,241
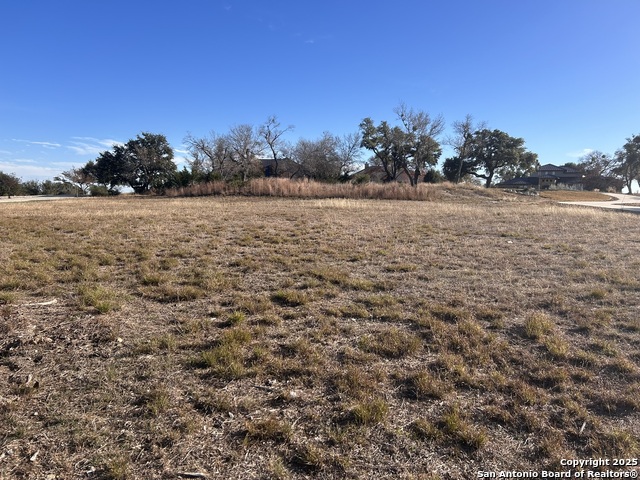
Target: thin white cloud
x,y
579,153
107,142
28,169
42,144
21,160
91,146
180,160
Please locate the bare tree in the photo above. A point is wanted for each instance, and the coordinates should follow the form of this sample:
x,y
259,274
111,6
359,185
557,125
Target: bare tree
x,y
348,151
600,171
80,179
319,158
210,156
245,145
271,133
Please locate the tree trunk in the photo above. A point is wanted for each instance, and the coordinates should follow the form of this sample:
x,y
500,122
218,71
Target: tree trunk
x,y
416,177
411,179
459,174
489,179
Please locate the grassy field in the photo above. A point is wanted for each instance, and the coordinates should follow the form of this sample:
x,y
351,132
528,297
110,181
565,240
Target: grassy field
x,y
284,338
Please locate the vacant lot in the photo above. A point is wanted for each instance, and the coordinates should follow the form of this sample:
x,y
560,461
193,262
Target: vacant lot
x,y
280,338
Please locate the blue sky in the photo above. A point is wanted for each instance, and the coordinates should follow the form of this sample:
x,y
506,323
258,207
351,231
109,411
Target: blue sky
x,y
79,75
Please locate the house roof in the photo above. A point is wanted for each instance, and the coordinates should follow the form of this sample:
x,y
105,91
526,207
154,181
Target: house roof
x,y
549,167
378,173
370,169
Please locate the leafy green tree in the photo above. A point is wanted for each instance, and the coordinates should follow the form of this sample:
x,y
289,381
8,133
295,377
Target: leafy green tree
x,y
387,145
628,161
9,184
143,163
455,169
149,162
493,153
461,141
183,178
31,187
111,169
433,176
526,166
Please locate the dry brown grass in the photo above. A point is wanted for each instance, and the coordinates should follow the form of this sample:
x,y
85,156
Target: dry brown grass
x,y
575,196
330,338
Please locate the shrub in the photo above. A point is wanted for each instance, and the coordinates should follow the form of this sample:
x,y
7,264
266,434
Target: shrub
x,y
98,191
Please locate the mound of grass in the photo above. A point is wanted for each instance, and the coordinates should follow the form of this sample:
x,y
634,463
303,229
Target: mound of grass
x,y
290,298
391,342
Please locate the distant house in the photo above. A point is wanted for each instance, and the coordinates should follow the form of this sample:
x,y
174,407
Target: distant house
x,y
560,177
548,177
377,174
285,168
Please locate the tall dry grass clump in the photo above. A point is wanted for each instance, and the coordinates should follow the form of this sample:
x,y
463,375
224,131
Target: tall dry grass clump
x,y
199,190
283,187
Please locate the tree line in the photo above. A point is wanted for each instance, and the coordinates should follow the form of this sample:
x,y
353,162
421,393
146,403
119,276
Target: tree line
x,y
411,147
11,185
